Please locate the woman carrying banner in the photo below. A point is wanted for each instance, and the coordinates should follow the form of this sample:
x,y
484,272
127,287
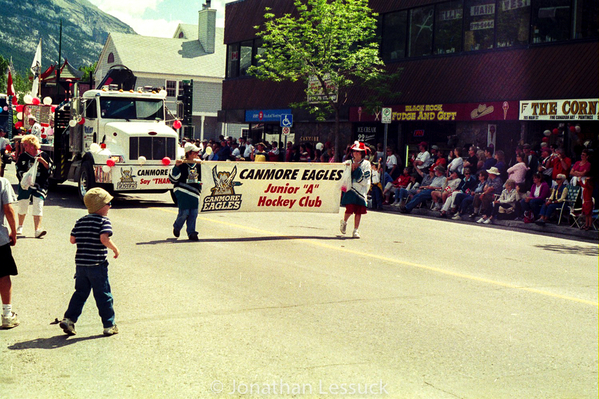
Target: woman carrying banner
x,y
354,198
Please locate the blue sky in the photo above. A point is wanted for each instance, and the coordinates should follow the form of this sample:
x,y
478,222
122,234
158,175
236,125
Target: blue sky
x,y
159,17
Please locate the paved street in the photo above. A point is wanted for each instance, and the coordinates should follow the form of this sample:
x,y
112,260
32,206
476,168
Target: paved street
x,y
281,304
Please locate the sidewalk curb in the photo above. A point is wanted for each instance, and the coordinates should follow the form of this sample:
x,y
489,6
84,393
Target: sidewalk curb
x,y
564,230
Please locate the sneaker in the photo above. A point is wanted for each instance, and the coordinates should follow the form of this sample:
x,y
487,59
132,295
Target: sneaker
x,y
10,321
111,330
176,233
437,207
20,230
194,237
473,215
487,221
67,326
343,226
356,234
540,222
457,216
40,233
481,220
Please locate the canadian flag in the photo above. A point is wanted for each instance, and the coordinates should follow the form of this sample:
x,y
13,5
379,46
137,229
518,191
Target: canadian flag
x,y
10,88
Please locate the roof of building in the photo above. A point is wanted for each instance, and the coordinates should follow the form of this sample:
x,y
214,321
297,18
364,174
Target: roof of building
x,y
186,56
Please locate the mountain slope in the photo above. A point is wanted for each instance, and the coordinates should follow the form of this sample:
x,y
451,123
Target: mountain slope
x,y
84,31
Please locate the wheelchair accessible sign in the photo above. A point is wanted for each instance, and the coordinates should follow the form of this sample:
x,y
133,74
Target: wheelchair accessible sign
x,y
286,120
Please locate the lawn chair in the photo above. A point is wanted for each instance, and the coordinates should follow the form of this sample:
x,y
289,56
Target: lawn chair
x,y
571,200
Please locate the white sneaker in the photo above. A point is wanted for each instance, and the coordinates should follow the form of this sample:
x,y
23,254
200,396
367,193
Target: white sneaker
x,y
111,330
457,217
343,226
395,204
487,221
20,230
10,321
356,234
481,220
40,233
68,327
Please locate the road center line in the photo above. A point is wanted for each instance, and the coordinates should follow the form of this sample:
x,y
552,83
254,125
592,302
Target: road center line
x,y
404,263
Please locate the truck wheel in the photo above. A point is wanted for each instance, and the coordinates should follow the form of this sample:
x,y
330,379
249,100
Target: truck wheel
x,y
86,179
174,198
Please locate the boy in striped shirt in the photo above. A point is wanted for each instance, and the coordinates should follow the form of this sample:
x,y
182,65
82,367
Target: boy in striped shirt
x,y
92,236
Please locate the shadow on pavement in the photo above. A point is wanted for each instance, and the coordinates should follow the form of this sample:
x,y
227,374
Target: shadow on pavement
x,y
51,343
570,250
243,239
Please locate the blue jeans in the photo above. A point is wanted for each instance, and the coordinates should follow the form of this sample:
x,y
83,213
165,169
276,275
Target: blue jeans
x,y
424,195
377,198
189,216
533,205
94,278
547,210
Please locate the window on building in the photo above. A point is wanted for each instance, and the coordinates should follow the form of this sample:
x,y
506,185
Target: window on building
x,y
110,58
513,23
586,20
259,50
245,57
395,26
479,31
181,35
550,20
171,88
448,27
233,60
421,31
180,91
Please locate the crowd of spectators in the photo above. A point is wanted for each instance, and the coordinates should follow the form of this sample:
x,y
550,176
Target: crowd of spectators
x,y
531,187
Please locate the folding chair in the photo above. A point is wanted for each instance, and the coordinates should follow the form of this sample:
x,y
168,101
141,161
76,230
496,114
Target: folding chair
x,y
595,217
571,199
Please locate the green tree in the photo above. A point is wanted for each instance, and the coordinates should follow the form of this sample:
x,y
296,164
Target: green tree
x,y
88,71
330,45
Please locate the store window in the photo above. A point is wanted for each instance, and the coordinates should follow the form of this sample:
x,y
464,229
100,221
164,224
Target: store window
x,y
395,26
479,30
258,45
421,31
448,27
513,23
245,57
550,20
171,88
233,60
586,19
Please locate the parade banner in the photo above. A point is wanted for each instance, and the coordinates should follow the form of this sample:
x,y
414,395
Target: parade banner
x,y
271,187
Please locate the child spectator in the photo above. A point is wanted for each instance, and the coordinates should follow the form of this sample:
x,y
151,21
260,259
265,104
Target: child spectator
x,y
92,235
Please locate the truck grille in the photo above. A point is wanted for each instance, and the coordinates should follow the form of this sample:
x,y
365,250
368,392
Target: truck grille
x,y
153,148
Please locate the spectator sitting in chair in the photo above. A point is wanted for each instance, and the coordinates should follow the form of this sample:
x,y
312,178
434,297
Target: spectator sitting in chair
x,y
402,194
493,186
464,200
402,181
451,184
538,193
555,201
504,204
425,191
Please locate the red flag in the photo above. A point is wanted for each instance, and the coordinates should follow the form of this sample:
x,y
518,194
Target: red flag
x,y
10,89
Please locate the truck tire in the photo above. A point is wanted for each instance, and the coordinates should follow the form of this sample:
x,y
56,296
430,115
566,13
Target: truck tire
x,y
86,179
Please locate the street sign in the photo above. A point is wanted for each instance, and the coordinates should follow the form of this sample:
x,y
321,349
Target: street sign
x,y
286,130
386,117
286,120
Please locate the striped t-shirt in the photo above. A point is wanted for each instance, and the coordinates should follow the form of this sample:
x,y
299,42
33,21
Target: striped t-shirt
x,y
87,231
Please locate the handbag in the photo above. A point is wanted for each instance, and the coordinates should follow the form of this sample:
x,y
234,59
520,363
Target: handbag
x,y
28,179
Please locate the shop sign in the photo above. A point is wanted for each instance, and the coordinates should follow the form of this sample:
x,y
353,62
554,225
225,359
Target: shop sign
x,y
265,115
564,110
488,111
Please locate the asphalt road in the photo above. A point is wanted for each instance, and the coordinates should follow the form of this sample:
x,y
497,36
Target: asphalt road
x,y
281,304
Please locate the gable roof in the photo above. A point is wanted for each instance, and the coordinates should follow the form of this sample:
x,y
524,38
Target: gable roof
x,y
173,56
189,31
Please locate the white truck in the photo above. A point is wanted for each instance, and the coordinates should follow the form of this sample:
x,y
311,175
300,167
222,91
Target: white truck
x,y
114,138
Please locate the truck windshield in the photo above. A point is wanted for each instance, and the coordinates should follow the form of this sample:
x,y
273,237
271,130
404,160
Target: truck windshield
x,y
131,108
